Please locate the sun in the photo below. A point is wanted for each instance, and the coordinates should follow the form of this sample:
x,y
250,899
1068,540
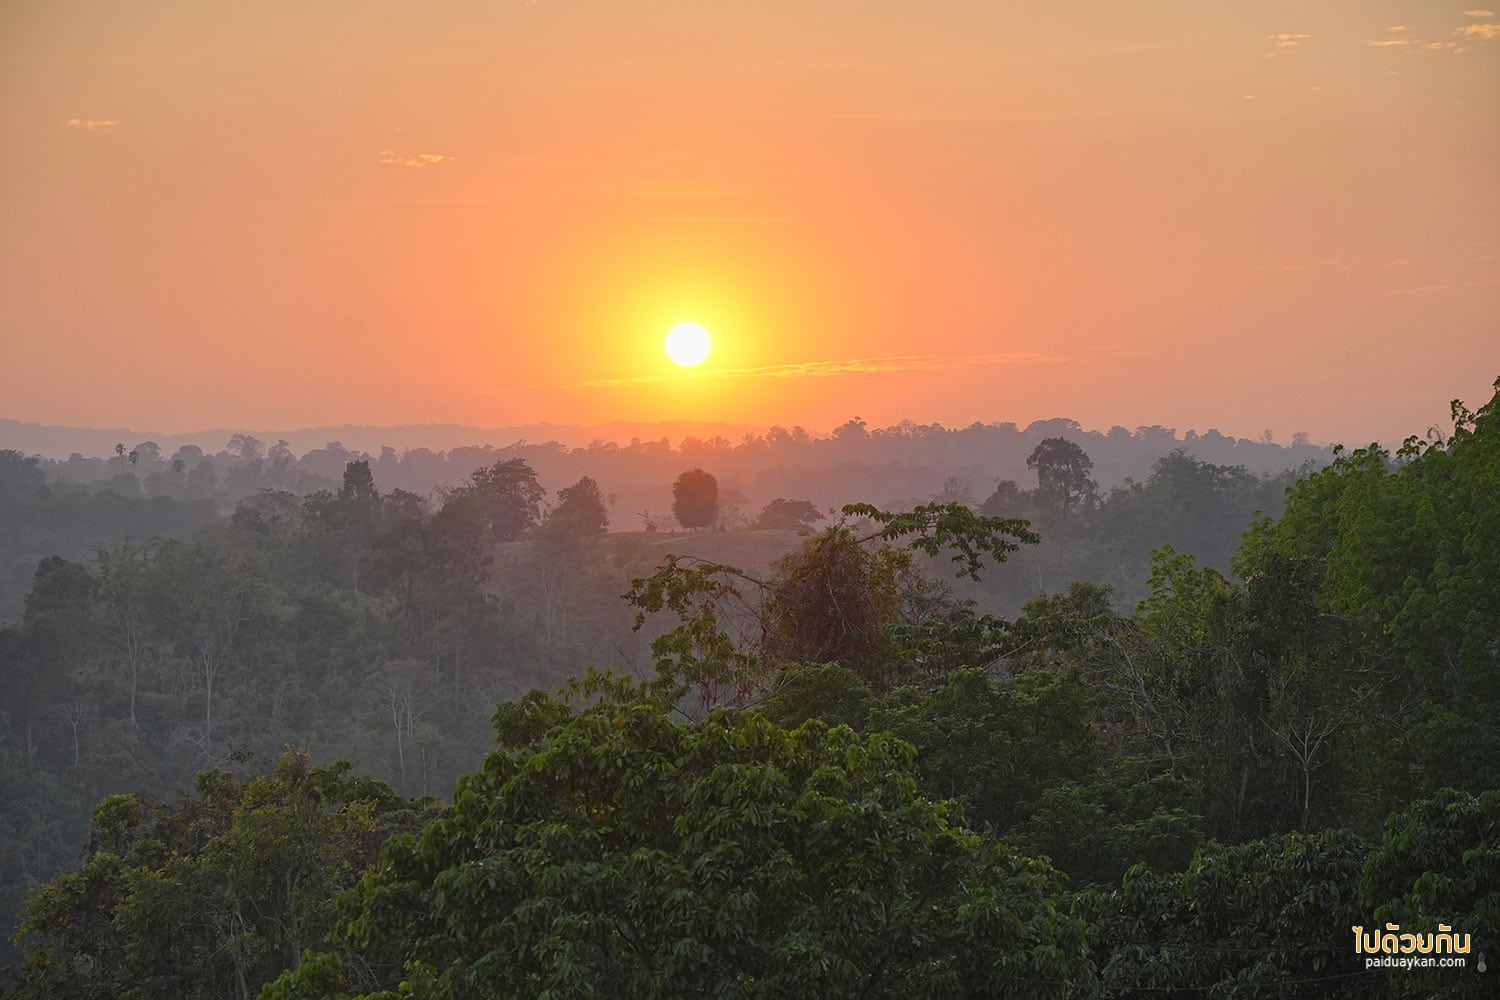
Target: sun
x,y
688,344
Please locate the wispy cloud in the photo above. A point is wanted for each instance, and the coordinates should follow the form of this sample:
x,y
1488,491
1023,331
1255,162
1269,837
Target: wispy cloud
x,y
1447,286
1366,262
416,160
854,366
1479,15
1417,290
1326,264
91,124
1288,40
1398,36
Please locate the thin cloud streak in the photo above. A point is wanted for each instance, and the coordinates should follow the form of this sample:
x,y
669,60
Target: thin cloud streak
x,y
856,366
414,160
1448,286
1340,264
91,124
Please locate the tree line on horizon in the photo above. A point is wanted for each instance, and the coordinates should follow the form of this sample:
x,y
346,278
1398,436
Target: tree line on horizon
x,y
175,497
900,463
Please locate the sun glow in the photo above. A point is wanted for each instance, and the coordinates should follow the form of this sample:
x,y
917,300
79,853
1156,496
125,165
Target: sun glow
x,y
688,344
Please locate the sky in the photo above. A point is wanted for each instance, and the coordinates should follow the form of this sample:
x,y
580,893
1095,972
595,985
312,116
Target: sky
x,y
1242,215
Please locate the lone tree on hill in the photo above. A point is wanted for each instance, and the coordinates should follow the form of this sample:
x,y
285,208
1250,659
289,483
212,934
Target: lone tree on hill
x,y
695,499
580,511
504,498
787,515
1062,475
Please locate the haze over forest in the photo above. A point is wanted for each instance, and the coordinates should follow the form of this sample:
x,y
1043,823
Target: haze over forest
x,y
900,465
833,498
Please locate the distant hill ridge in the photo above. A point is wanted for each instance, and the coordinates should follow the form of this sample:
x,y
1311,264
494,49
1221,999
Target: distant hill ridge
x,y
59,441
53,441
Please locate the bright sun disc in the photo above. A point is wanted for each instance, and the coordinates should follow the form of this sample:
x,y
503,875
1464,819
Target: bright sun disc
x,y
688,344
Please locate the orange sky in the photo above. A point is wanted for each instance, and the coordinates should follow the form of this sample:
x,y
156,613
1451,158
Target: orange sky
x,y
1243,214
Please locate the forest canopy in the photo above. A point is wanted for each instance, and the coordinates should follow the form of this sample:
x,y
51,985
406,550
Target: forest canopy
x,y
872,763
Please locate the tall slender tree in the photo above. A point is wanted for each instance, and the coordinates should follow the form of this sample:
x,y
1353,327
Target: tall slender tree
x,y
1062,475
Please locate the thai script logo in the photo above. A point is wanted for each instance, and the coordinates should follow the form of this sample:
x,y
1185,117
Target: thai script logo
x,y
1393,948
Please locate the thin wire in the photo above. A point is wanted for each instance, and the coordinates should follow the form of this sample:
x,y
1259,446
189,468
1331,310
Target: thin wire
x,y
1247,951
1279,984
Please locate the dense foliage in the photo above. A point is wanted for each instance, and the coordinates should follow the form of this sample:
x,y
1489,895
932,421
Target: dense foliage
x,y
213,893
626,856
830,774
